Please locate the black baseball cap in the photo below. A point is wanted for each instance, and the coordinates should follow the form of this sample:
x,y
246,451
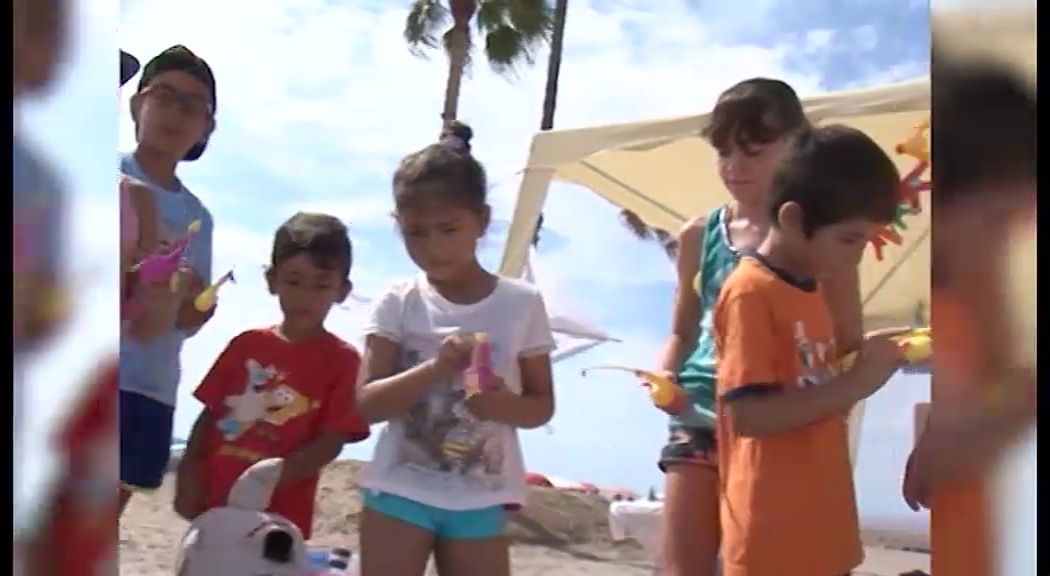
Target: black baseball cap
x,y
129,66
179,58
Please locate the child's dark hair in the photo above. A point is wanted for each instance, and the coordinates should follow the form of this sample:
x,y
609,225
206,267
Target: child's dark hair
x,y
443,172
755,111
835,174
323,237
984,128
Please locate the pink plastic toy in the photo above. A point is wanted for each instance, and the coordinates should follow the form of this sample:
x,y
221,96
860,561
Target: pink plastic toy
x,y
161,266
478,376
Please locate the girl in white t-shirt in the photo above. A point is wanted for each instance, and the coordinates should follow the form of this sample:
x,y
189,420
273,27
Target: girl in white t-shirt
x,y
446,466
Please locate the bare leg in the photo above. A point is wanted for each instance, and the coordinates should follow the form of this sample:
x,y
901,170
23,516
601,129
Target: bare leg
x,y
473,557
407,556
691,530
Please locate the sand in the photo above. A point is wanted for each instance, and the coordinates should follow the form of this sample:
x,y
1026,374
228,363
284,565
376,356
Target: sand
x,y
558,533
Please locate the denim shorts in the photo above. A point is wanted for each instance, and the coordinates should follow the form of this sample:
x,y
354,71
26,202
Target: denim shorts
x,y
145,441
689,445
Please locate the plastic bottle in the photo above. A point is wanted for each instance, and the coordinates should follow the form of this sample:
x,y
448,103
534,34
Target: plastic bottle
x,y
478,376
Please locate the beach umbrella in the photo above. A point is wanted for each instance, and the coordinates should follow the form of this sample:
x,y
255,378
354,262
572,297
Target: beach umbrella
x,y
536,479
589,488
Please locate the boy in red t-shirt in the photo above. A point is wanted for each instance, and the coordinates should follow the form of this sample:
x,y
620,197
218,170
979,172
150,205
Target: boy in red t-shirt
x,y
284,391
788,506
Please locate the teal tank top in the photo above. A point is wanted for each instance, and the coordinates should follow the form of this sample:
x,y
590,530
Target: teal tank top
x,y
697,376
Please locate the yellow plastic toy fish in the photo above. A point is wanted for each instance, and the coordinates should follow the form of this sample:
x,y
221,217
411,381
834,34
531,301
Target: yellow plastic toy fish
x,y
207,299
917,345
664,393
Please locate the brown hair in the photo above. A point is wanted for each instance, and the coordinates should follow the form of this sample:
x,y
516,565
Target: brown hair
x,y
443,172
836,174
755,111
984,128
325,238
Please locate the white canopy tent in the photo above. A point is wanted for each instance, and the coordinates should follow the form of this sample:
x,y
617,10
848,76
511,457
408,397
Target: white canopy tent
x,y
663,171
573,332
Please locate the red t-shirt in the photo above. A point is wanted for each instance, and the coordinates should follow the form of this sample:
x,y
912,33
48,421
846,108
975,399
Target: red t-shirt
x,y
85,507
270,398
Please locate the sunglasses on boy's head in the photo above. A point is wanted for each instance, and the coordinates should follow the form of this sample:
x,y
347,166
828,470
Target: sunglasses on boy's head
x,y
169,96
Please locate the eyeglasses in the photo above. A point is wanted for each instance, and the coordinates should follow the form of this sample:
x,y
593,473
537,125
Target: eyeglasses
x,y
171,97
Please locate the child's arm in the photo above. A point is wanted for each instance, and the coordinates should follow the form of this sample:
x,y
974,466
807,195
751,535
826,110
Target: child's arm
x,y
385,391
757,404
534,407
962,440
842,293
342,425
190,497
686,320
190,487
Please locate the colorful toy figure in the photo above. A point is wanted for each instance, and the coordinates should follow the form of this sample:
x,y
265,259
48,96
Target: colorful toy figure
x,y
161,266
478,376
206,299
663,392
917,346
917,146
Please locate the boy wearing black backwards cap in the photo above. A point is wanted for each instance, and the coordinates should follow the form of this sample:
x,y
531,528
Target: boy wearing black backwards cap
x,y
174,115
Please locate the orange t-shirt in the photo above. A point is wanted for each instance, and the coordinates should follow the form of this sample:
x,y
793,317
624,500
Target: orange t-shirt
x,y
960,516
270,398
788,505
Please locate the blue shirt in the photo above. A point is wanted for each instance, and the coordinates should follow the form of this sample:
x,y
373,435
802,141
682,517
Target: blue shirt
x,y
153,369
37,223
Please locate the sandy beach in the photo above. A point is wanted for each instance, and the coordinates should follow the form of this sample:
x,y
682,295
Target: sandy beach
x,y
558,533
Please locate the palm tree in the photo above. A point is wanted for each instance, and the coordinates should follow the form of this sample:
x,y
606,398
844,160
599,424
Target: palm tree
x,y
550,91
512,31
634,223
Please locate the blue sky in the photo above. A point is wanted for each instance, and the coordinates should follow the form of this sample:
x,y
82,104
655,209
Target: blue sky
x,y
318,100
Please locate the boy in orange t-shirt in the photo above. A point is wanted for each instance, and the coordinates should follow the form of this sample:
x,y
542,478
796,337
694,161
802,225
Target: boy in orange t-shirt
x,y
285,391
984,159
788,505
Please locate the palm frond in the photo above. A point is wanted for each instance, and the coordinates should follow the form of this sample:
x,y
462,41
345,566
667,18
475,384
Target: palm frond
x,y
425,22
514,32
635,225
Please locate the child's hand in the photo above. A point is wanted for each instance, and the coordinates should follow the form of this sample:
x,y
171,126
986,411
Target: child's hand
x,y
913,488
485,405
881,352
454,355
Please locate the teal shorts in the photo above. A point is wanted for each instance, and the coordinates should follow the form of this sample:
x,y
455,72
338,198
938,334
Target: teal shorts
x,y
450,524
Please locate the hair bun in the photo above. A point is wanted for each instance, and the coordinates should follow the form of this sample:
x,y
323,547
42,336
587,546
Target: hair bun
x,y
457,135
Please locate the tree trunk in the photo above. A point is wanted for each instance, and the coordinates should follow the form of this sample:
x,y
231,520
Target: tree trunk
x,y
550,92
458,52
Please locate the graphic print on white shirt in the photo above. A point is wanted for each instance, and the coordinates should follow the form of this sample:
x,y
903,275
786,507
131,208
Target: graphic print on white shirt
x,y
442,435
439,453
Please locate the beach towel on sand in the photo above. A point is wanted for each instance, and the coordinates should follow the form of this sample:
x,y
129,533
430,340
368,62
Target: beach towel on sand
x,y
242,540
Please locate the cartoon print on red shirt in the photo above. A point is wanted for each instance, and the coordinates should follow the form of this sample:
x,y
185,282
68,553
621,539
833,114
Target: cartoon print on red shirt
x,y
265,398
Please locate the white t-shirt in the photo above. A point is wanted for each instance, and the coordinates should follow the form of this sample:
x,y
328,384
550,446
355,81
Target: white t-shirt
x,y
439,454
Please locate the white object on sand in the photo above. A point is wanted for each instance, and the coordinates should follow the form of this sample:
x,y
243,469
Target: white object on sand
x,y
241,539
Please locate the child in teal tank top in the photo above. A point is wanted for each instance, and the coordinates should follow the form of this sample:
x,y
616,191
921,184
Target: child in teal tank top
x,y
748,128
697,376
